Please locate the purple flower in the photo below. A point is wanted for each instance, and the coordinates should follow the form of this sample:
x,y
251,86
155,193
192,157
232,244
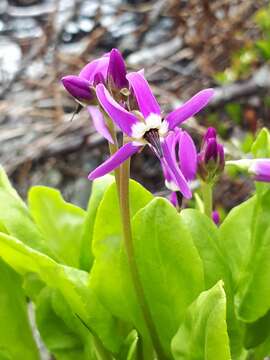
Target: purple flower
x,y
211,160
260,168
146,126
109,70
184,155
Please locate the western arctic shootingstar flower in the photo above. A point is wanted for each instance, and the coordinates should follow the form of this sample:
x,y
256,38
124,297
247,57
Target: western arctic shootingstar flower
x,y
109,70
258,168
184,154
146,126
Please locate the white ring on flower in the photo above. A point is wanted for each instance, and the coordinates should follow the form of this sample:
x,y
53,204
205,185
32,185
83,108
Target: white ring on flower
x,y
153,121
171,185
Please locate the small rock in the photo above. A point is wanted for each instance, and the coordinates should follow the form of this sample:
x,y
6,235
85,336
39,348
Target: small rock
x,y
10,58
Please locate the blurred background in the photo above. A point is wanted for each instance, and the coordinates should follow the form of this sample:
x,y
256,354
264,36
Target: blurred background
x,y
183,45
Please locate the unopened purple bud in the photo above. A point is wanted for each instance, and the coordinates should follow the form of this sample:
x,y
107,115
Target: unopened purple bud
x,y
211,160
78,87
211,151
116,75
210,133
216,217
260,168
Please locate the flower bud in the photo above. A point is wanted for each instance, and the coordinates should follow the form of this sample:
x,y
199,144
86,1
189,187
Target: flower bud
x,y
216,217
78,87
211,159
116,75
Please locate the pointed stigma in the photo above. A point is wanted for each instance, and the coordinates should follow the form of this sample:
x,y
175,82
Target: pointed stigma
x,y
76,112
152,136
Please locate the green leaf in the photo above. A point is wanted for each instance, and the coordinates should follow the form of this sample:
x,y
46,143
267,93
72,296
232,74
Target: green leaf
x,y
235,238
61,331
108,278
261,146
235,243
169,265
6,185
98,189
203,333
72,283
252,298
15,218
15,332
257,332
205,237
262,351
60,223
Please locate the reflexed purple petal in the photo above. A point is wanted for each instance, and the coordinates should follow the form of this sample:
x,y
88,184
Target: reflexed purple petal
x,y
261,169
77,87
125,152
190,108
99,122
167,176
145,98
124,119
187,156
175,172
117,70
94,67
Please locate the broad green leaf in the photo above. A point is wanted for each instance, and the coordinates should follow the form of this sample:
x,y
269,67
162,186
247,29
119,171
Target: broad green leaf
x,y
169,265
6,185
15,333
235,238
235,244
108,278
60,223
129,347
262,351
203,333
163,257
205,237
257,332
15,218
261,146
72,283
61,331
252,298
98,189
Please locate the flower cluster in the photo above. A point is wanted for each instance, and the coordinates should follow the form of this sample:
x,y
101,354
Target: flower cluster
x,y
129,102
126,99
